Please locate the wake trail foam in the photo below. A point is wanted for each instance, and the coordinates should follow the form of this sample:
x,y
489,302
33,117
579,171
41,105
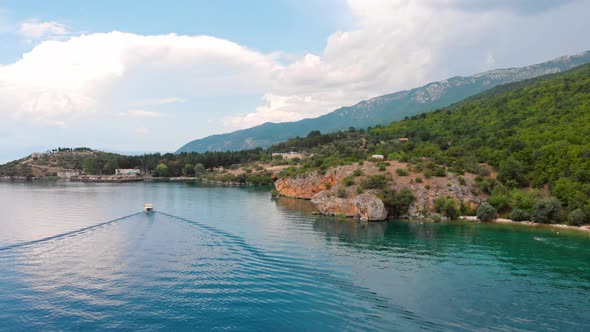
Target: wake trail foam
x,y
64,235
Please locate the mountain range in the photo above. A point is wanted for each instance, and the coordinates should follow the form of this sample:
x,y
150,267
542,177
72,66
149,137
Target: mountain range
x,y
383,109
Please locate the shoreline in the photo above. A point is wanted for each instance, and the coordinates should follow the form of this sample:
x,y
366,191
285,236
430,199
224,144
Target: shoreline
x,y
585,228
113,179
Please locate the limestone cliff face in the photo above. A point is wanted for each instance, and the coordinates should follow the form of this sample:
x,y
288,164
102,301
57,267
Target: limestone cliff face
x,y
309,185
426,194
365,206
323,189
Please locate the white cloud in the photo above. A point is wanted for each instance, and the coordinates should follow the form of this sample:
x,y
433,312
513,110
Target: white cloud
x,y
395,45
159,101
96,72
141,114
400,44
142,131
36,30
490,61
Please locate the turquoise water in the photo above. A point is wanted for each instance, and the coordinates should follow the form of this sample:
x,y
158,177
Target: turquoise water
x,y
216,258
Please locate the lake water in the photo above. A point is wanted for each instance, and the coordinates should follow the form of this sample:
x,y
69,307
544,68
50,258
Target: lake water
x,y
214,258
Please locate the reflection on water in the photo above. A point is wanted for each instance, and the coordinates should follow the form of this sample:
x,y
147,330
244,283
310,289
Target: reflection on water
x,y
234,259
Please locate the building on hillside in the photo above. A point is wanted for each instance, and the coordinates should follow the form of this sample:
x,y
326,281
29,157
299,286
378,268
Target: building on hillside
x,y
378,156
218,169
289,155
127,171
67,174
403,139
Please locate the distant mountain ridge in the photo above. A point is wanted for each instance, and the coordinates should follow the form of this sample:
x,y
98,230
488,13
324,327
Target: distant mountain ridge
x,y
383,109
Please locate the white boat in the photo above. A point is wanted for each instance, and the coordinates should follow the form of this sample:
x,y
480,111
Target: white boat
x,y
148,207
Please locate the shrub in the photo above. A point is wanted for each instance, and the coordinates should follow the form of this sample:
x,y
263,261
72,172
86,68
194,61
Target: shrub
x,y
402,172
486,212
447,206
397,203
520,215
375,182
461,180
487,185
382,168
523,200
440,172
546,210
357,172
499,201
577,217
328,185
349,181
341,193
466,209
360,190
419,179
482,171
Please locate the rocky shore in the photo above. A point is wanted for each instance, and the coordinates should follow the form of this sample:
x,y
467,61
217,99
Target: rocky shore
x,y
585,228
106,178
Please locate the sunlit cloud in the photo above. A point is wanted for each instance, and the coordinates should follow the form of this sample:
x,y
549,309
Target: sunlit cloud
x,y
36,30
137,113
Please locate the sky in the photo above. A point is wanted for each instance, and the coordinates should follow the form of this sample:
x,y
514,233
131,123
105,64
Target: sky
x,y
145,76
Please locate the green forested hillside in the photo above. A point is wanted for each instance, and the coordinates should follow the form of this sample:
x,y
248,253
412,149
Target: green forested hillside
x,y
383,109
535,133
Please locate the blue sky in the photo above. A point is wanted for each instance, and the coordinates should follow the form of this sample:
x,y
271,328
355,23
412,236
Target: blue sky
x,y
269,25
135,76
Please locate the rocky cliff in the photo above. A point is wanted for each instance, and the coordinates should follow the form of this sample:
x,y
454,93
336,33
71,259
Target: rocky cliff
x,y
323,191
306,187
365,206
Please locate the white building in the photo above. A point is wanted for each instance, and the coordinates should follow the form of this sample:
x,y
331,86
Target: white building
x,y
290,155
127,171
67,174
377,156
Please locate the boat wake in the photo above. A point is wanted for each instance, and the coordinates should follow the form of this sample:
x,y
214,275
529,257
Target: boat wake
x,y
64,235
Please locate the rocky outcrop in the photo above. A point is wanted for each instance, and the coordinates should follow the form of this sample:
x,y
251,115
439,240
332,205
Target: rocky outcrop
x,y
370,207
333,197
308,185
426,193
366,206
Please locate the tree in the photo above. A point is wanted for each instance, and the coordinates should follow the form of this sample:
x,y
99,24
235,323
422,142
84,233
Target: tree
x,y
199,169
486,212
520,215
546,210
90,165
314,133
577,217
512,170
111,166
569,192
397,203
188,170
161,170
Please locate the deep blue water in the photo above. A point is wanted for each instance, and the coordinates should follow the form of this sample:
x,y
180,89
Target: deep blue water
x,y
214,258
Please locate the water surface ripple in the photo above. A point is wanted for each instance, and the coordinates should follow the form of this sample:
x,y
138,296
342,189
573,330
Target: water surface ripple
x,y
215,258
